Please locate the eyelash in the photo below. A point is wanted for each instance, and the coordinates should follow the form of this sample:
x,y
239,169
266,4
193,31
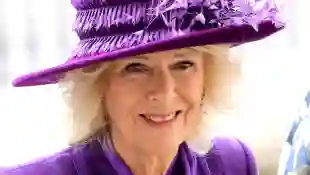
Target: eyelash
x,y
139,67
183,65
136,67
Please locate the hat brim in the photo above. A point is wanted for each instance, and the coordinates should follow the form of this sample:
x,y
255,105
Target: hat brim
x,y
234,35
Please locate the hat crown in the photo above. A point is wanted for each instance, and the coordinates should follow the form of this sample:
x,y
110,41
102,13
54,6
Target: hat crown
x,y
122,24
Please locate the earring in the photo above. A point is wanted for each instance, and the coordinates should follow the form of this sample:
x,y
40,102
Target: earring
x,y
203,95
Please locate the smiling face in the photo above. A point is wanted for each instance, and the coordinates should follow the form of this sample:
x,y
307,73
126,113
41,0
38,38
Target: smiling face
x,y
154,100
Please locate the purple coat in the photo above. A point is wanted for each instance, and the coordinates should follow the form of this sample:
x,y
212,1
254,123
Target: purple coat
x,y
227,157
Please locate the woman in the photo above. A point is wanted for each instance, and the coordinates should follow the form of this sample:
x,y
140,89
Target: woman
x,y
139,81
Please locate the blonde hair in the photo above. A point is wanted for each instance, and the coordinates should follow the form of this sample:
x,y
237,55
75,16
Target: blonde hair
x,y
81,90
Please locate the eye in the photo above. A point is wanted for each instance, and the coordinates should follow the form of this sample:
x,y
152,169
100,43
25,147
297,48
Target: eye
x,y
136,67
183,65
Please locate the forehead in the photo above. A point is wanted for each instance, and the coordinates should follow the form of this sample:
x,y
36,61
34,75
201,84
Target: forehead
x,y
111,66
162,56
169,53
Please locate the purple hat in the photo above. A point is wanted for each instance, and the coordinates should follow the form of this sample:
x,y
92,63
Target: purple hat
x,y
113,29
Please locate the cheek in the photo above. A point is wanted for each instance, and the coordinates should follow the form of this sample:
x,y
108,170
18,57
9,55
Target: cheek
x,y
190,91
121,100
191,88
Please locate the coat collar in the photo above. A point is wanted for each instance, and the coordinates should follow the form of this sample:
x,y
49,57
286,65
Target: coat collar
x,y
97,157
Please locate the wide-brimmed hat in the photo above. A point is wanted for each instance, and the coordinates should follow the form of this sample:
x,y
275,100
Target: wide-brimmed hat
x,y
114,29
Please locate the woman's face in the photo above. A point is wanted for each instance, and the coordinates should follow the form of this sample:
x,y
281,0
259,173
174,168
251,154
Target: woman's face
x,y
154,100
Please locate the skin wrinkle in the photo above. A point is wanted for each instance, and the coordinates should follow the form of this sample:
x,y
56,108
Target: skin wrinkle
x,y
161,88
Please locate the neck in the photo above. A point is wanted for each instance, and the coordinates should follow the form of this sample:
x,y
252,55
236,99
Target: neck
x,y
143,162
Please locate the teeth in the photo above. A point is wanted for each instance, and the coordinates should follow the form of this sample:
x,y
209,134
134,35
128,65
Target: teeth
x,y
160,118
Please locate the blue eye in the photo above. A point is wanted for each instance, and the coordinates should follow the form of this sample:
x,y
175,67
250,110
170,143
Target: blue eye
x,y
136,67
183,65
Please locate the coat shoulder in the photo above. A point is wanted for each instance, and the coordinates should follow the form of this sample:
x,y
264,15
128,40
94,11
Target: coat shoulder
x,y
60,163
230,156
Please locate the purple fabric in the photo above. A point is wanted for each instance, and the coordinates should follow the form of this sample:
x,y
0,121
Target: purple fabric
x,y
115,29
228,156
163,20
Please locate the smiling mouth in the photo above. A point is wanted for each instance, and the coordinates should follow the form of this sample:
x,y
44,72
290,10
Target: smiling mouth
x,y
160,118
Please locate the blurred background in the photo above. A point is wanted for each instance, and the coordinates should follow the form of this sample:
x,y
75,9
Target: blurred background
x,y
37,33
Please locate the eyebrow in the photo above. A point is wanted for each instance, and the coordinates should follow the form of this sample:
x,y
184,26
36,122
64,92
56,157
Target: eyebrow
x,y
191,49
139,57
185,52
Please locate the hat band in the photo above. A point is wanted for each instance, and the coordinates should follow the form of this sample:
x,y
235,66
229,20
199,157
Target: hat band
x,y
96,45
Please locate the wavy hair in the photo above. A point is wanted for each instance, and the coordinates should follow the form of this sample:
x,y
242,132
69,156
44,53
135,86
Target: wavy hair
x,y
82,93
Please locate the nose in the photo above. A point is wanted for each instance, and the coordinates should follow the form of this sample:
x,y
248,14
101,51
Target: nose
x,y
162,86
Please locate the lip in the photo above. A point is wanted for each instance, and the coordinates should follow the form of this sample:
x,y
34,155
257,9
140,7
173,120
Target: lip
x,y
160,118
